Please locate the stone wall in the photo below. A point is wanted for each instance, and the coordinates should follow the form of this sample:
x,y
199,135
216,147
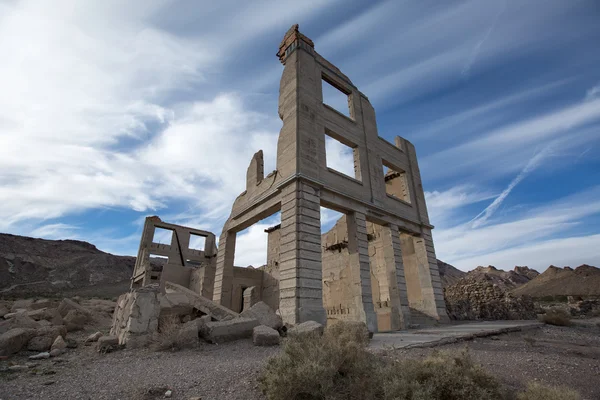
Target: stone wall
x,y
472,299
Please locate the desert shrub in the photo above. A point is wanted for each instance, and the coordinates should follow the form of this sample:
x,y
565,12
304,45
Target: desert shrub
x,y
536,391
557,316
530,340
168,334
338,366
442,375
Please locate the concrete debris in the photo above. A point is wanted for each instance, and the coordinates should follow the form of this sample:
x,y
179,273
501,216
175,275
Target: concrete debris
x,y
75,320
136,316
264,314
198,302
226,331
305,328
265,336
106,344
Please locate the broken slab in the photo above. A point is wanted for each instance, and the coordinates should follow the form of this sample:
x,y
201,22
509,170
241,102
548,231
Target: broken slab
x,y
306,328
136,315
264,314
227,331
197,301
265,336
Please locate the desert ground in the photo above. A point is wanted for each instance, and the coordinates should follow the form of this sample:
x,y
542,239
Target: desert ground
x,y
553,355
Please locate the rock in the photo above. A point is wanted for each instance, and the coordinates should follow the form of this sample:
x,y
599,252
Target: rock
x,y
93,337
225,331
23,304
20,320
38,314
39,343
67,305
71,343
75,320
41,303
3,311
264,314
53,316
168,393
56,352
265,336
59,343
106,344
40,356
14,340
307,327
52,332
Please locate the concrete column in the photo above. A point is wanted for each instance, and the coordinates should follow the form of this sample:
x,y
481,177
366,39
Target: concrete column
x,y
300,273
437,292
358,249
404,309
224,275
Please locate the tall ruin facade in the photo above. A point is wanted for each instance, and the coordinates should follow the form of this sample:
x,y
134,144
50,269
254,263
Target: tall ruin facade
x,y
378,263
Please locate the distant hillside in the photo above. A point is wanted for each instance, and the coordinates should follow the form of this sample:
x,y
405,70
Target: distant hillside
x,y
581,281
449,274
507,280
37,266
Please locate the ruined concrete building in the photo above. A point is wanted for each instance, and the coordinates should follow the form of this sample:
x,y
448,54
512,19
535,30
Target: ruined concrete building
x,y
376,265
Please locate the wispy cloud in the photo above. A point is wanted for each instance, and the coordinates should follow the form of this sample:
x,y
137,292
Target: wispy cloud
x,y
473,56
593,92
533,163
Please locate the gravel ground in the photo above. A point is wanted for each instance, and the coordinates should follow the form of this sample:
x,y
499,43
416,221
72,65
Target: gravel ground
x,y
553,355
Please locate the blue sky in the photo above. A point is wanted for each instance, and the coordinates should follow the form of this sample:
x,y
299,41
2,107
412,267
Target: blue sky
x,y
111,111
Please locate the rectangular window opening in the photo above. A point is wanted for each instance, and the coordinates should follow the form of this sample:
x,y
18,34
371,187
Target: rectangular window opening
x,y
342,157
396,183
197,242
158,262
162,236
335,97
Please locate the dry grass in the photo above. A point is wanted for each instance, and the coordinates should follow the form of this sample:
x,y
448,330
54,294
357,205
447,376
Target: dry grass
x,y
168,334
557,316
338,366
535,391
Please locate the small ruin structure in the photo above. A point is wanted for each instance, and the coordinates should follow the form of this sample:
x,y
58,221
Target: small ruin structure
x,y
377,265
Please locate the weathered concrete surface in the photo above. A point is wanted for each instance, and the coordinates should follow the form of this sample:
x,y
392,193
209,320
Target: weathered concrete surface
x,y
264,314
136,316
227,331
265,336
429,337
177,294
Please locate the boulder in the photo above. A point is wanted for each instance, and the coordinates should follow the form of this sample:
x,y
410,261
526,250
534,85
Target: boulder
x,y
93,337
51,332
265,336
20,320
3,311
67,305
75,320
53,316
264,314
308,327
107,343
41,303
59,343
56,352
14,340
136,315
23,304
226,331
39,343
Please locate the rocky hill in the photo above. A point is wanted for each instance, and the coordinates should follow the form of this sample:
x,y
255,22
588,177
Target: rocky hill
x,y
31,266
581,281
449,274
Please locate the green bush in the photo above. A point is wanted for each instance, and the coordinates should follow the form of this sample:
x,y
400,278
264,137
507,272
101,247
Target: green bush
x,y
535,391
557,316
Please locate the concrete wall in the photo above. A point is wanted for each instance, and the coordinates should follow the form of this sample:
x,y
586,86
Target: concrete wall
x,y
302,183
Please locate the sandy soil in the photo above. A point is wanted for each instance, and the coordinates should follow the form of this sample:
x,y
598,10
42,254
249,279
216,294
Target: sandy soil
x,y
554,355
